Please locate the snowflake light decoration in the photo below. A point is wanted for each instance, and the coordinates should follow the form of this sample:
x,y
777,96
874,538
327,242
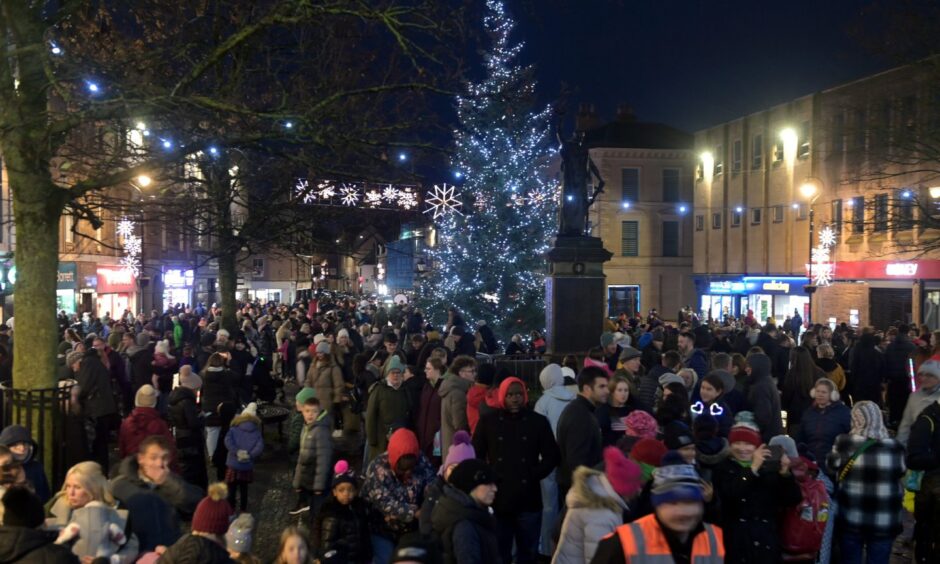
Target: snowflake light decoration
x,y
349,196
302,189
326,190
132,245
822,274
827,237
442,201
407,199
373,198
820,254
125,228
390,194
131,263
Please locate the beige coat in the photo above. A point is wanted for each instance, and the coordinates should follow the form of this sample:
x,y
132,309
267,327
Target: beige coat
x,y
327,379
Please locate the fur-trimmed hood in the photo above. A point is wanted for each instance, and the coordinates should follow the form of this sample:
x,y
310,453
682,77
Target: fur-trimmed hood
x,y
591,489
711,457
245,418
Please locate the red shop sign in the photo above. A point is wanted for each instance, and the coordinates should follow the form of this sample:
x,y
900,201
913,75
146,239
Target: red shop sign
x,y
887,269
116,280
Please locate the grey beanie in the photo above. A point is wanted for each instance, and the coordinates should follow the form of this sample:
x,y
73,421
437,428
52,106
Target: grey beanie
x,y
238,537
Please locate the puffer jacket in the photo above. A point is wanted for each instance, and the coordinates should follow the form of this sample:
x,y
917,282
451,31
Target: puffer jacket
x,y
467,531
244,434
453,392
32,546
140,424
327,379
594,511
316,455
387,407
193,548
343,528
184,416
219,386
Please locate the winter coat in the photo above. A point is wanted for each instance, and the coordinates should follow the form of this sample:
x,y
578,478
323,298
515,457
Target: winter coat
x,y
594,511
552,402
923,448
387,407
34,470
467,531
709,453
521,449
649,384
610,419
219,385
795,399
315,458
579,439
192,549
821,426
344,529
94,380
140,360
184,417
395,503
244,433
896,357
917,402
763,399
453,392
749,508
154,510
94,520
833,371
698,362
140,424
870,494
480,400
164,367
428,416
295,427
866,371
32,546
327,379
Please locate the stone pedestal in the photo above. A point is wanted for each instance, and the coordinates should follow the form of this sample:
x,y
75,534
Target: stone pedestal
x,y
575,294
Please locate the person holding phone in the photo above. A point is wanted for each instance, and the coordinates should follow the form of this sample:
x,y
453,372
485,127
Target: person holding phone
x,y
753,484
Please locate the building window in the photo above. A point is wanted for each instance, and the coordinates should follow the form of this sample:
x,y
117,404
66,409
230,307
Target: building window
x,y
630,184
671,184
736,218
881,212
257,267
778,152
836,215
801,211
778,214
838,134
69,225
670,238
803,150
629,239
757,151
716,220
756,216
904,211
736,155
858,214
719,160
699,222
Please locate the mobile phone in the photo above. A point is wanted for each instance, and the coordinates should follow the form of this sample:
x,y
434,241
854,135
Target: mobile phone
x,y
772,463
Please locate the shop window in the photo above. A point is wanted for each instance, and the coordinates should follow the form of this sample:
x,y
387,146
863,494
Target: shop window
x,y
778,214
716,220
736,155
671,182
858,214
670,238
69,227
623,299
881,213
630,185
629,239
699,222
756,214
757,151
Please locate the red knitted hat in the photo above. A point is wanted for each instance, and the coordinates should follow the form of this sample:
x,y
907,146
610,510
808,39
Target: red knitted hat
x,y
746,434
402,442
648,451
624,475
213,512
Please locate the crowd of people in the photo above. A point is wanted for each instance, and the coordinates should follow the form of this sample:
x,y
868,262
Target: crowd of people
x,y
688,442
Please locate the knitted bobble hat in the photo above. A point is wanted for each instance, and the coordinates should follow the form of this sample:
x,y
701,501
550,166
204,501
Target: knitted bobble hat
x,y
213,512
624,475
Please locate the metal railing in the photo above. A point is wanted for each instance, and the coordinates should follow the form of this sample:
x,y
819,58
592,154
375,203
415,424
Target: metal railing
x,y
43,411
526,367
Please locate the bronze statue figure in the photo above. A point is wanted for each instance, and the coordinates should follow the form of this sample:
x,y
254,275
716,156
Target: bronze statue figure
x,y
577,171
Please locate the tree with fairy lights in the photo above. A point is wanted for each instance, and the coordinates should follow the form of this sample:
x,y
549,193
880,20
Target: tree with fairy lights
x,y
489,260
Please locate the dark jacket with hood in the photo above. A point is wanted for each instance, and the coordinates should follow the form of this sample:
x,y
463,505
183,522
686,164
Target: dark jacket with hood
x,y
94,380
154,510
763,399
193,549
244,434
467,530
579,439
140,358
344,529
521,449
428,415
22,545
33,468
219,385
866,371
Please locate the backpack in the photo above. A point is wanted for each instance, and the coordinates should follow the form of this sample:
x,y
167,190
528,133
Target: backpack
x,y
805,523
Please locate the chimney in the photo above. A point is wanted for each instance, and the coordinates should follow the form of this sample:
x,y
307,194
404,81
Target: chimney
x,y
625,113
586,119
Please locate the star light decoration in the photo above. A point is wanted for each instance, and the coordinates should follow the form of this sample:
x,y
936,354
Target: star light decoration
x,y
442,201
822,266
349,195
390,194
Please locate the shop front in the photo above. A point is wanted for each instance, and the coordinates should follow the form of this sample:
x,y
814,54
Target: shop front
x,y
766,296
66,287
117,291
177,287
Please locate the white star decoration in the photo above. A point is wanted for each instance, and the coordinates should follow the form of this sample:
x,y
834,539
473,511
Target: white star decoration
x,y
822,274
302,189
441,201
820,254
390,194
349,195
827,237
125,228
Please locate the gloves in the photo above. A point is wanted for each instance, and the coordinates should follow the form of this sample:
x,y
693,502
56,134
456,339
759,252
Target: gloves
x,y
243,456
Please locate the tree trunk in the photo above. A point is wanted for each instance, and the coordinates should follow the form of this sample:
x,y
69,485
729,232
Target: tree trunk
x,y
228,281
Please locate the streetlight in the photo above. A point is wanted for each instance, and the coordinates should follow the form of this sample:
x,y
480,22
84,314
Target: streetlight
x,y
934,192
143,180
811,190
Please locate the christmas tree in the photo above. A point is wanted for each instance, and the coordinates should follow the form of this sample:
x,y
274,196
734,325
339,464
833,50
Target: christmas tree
x,y
489,258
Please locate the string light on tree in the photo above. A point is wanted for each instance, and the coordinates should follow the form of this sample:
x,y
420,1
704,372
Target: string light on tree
x,y
442,201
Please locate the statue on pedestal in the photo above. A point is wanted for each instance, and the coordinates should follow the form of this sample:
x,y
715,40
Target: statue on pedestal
x,y
577,170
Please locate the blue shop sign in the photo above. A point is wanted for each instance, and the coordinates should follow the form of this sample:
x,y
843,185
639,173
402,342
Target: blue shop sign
x,y
67,276
727,287
776,285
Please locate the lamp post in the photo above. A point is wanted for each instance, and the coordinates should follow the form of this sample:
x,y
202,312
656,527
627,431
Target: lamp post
x,y
810,190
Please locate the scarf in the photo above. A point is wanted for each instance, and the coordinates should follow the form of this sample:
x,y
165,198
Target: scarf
x,y
867,421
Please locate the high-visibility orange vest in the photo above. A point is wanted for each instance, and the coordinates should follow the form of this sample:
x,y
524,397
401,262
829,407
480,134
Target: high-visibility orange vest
x,y
643,542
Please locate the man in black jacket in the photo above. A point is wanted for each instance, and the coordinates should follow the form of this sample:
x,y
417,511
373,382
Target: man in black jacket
x,y
98,404
763,398
518,443
578,433
898,373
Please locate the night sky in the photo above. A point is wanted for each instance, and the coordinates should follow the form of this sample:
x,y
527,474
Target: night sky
x,y
691,63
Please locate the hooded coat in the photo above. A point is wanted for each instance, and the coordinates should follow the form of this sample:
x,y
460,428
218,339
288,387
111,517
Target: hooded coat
x,y
387,407
866,371
453,392
140,359
94,520
187,427
763,399
94,381
35,473
522,450
219,385
344,529
594,511
327,379
244,434
316,455
555,397
481,399
22,545
140,424
467,530
428,416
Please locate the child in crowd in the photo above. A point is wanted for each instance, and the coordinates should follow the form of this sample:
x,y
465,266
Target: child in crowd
x,y
312,473
293,548
341,527
206,543
24,449
296,424
238,540
245,444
